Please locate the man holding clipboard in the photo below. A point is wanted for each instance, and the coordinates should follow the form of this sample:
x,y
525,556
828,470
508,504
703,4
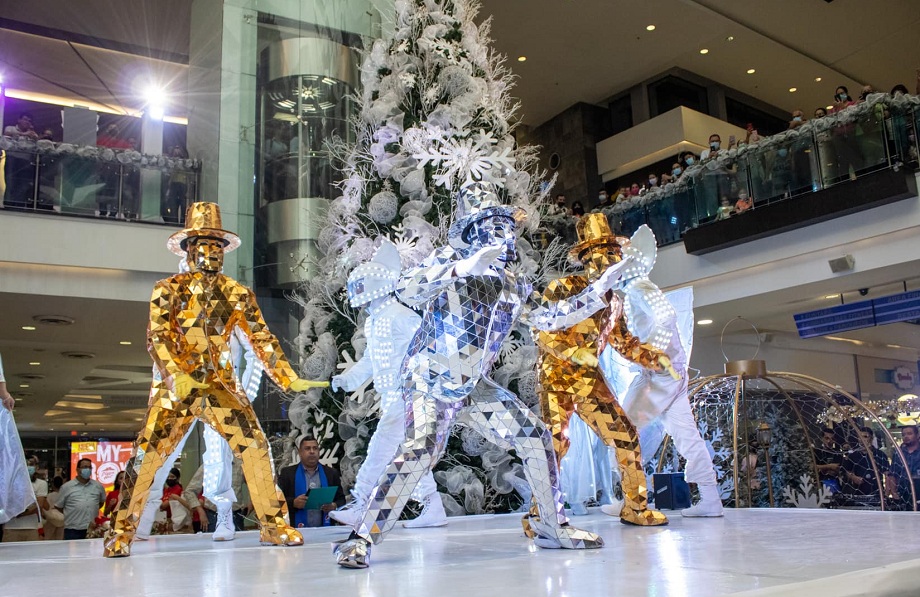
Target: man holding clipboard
x,y
310,489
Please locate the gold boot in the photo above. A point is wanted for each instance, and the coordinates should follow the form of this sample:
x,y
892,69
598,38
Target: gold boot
x,y
116,544
280,534
642,518
532,514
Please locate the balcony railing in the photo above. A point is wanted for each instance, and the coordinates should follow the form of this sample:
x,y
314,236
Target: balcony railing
x,y
99,182
876,135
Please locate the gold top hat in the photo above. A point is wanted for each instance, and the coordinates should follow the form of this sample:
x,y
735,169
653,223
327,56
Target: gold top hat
x,y
202,220
594,231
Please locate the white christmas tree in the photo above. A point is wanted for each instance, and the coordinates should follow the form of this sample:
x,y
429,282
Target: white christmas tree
x,y
434,114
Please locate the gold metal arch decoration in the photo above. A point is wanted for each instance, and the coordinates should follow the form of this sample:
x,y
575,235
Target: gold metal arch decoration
x,y
747,394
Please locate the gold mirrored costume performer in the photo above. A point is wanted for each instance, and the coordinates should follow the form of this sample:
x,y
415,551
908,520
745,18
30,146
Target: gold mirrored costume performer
x,y
192,318
570,381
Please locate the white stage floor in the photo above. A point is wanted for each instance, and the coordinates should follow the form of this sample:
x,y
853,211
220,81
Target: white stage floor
x,y
757,552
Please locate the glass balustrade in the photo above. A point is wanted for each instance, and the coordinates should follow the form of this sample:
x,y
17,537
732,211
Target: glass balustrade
x,y
822,153
94,182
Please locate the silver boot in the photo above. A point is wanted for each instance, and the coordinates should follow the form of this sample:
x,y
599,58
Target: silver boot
x,y
353,553
564,537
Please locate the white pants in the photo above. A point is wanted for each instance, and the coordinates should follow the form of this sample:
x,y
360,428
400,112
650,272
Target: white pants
x,y
384,444
218,476
650,389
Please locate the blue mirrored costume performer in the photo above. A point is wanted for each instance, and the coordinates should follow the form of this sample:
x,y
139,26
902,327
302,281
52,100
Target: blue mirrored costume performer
x,y
469,301
389,329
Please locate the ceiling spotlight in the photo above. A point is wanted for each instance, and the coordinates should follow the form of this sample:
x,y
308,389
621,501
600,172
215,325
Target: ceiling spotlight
x,y
35,363
817,79
792,90
704,51
829,108
831,296
650,28
29,328
751,71
522,58
23,385
125,343
704,322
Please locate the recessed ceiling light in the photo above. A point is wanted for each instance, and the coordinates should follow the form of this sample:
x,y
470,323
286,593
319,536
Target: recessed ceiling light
x,y
29,328
792,90
751,71
34,363
650,28
522,58
125,343
23,385
830,108
817,79
831,296
704,322
704,51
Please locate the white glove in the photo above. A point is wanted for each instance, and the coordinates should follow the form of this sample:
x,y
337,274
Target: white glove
x,y
610,279
479,262
340,382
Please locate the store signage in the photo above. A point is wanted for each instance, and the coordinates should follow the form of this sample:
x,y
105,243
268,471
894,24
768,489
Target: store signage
x,y
903,378
107,458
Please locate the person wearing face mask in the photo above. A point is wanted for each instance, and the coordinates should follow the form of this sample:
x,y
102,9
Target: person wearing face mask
x,y
80,500
603,199
652,181
715,184
25,526
901,129
676,170
715,144
688,159
843,139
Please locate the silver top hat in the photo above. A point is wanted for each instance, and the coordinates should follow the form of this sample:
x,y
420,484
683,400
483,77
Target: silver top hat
x,y
477,201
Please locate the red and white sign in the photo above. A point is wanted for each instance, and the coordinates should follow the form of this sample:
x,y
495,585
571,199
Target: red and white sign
x,y
108,459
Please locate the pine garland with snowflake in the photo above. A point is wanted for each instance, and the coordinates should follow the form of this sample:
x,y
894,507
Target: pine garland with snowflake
x,y
434,113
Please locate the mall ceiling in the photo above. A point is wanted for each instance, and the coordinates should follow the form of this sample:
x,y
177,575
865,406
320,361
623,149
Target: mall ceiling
x,y
576,50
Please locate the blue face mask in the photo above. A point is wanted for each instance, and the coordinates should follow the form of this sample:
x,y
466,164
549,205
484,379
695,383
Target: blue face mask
x,y
714,145
676,171
689,161
86,472
797,119
31,470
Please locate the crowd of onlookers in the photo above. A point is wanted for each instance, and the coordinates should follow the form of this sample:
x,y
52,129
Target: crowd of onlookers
x,y
109,179
782,172
857,472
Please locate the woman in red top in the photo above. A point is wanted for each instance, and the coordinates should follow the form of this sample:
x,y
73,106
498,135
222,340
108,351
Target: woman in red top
x,y
111,500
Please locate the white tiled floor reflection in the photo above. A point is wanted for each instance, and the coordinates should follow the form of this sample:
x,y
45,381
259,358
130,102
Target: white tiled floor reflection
x,y
486,556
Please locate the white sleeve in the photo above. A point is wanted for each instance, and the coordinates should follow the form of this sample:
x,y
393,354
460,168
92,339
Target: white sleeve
x,y
2,379
41,488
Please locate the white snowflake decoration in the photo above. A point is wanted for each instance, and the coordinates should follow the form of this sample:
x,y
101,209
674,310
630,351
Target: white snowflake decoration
x,y
809,496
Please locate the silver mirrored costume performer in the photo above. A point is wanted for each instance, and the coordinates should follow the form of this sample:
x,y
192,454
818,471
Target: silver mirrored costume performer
x,y
650,394
388,329
469,301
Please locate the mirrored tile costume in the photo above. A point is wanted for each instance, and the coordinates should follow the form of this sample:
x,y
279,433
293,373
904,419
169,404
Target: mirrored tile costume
x,y
570,381
388,329
221,474
469,301
192,317
653,393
